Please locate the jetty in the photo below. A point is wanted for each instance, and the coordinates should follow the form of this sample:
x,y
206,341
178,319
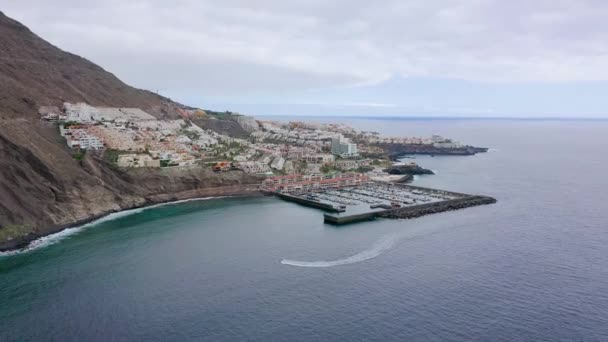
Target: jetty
x,y
350,202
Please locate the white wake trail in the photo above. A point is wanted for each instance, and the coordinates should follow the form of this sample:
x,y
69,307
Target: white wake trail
x,y
381,246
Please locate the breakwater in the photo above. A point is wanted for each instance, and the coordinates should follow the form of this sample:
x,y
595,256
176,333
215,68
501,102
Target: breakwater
x,y
438,207
412,211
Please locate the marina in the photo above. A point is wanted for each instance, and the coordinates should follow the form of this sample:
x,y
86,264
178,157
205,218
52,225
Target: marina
x,y
369,200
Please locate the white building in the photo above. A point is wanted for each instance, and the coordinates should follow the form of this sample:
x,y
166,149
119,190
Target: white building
x,y
90,142
322,158
182,139
80,112
277,163
84,141
343,147
254,167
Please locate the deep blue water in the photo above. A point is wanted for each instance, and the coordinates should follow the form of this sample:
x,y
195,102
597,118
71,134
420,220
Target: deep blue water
x,y
533,267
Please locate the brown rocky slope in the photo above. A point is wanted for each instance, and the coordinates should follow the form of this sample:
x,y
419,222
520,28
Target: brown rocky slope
x,y
42,187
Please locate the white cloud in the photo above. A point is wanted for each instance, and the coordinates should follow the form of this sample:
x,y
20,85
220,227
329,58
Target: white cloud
x,y
272,45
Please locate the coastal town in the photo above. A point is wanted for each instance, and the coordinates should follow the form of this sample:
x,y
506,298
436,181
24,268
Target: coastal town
x,y
351,175
133,138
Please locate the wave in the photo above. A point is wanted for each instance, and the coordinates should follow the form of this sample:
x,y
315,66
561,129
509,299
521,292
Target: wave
x,y
384,244
56,237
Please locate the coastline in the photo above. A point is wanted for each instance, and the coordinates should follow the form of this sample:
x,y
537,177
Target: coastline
x,y
240,191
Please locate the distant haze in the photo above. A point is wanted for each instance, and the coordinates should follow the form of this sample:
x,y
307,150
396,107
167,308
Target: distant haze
x,y
482,58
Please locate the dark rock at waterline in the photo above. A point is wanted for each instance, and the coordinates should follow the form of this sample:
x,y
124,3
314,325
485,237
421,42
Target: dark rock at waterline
x,y
396,151
408,169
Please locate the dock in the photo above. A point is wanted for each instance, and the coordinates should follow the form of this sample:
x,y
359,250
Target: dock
x,y
364,202
309,203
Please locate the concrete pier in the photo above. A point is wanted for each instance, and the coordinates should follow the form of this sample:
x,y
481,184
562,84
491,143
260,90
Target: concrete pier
x,y
308,203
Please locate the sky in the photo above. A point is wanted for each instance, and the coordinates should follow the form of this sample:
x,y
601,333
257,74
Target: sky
x,y
473,58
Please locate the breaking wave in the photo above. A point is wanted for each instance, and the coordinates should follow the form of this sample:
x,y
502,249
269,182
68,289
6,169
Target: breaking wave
x,y
379,247
56,237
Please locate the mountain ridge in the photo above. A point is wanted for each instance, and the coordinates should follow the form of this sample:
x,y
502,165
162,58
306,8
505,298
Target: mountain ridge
x,y
34,73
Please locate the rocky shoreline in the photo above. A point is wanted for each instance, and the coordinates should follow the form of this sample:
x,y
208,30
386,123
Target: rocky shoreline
x,y
408,171
241,191
396,151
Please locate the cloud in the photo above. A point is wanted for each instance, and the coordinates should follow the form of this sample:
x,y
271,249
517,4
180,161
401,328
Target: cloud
x,y
243,46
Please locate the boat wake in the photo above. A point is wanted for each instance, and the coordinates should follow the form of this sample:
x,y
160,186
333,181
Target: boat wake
x,y
54,238
381,246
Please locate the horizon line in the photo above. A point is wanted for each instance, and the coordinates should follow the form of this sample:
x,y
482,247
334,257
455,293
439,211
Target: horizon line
x,y
416,117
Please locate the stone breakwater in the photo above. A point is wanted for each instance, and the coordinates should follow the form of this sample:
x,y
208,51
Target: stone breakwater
x,y
434,208
411,211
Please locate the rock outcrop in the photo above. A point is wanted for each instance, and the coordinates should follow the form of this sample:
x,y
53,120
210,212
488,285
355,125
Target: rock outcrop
x,y
248,123
408,169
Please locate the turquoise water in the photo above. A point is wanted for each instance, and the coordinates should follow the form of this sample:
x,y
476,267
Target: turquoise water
x,y
534,266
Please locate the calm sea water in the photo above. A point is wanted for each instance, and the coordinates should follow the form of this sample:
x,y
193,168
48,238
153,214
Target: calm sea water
x,y
533,267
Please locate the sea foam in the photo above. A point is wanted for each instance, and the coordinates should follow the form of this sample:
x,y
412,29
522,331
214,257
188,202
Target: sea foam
x,y
56,237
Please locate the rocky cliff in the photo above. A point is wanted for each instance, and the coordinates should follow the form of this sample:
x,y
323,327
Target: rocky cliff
x,y
42,187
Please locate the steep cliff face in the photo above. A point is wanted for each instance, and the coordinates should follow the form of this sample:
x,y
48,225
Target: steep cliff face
x,y
35,73
228,126
248,123
42,187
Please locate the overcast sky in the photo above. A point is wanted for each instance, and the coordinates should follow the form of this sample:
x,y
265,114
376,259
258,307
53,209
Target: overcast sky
x,y
346,57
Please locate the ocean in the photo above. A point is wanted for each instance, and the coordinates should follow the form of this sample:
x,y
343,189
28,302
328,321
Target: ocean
x,y
532,267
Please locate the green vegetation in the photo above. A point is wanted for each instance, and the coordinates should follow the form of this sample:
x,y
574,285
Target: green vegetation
x,y
279,172
67,124
364,169
79,155
111,156
13,231
227,115
381,162
229,150
327,169
234,144
167,163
